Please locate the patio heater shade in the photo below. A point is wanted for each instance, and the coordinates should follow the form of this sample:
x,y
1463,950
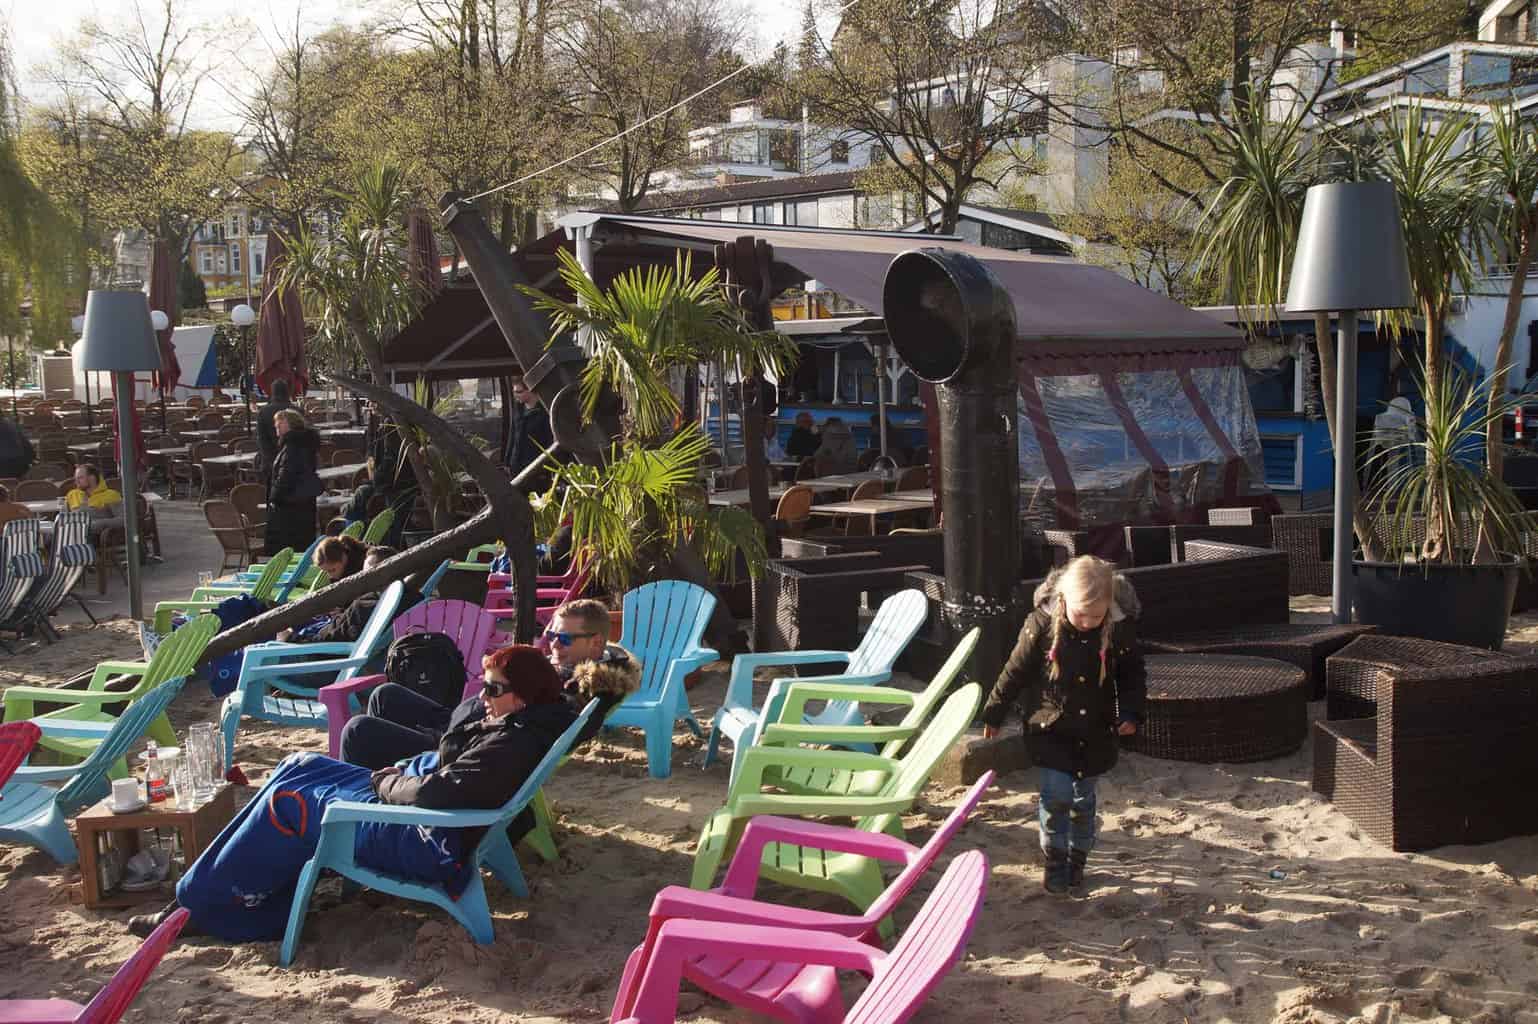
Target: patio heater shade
x,y
118,336
1351,252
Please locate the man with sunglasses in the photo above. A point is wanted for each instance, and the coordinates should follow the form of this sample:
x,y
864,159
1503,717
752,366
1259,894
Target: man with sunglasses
x,y
401,723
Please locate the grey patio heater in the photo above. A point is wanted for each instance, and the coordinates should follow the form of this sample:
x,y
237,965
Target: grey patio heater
x,y
1350,258
120,340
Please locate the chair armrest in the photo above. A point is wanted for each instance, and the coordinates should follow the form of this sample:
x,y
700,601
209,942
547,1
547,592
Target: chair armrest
x,y
48,773
819,805
786,700
107,669
677,901
755,760
59,695
795,735
74,729
357,684
350,811
742,875
300,668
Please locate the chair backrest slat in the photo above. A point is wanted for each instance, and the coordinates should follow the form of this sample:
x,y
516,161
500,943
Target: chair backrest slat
x,y
180,651
930,697
90,779
267,582
468,625
930,745
660,619
542,771
896,622
903,884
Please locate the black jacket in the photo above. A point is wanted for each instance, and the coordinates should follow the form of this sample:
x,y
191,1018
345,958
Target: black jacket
x,y
384,448
293,470
16,451
801,443
1070,721
267,434
481,762
346,626
531,436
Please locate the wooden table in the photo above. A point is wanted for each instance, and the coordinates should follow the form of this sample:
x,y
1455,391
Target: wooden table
x,y
98,830
168,453
923,494
203,435
776,491
341,433
346,472
42,508
238,459
872,507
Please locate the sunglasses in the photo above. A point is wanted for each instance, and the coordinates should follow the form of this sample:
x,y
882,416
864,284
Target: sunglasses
x,y
492,688
564,639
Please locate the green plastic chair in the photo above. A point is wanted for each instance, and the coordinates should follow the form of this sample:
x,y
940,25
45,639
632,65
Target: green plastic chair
x,y
857,879
355,530
173,659
206,599
379,526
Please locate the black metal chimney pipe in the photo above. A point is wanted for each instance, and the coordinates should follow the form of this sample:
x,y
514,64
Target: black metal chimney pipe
x,y
553,372
954,325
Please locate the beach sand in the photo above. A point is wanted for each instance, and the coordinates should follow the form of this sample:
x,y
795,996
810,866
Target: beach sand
x,y
1218,893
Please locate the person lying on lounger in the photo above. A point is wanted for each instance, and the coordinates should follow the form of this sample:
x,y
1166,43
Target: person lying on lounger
x,y
241,887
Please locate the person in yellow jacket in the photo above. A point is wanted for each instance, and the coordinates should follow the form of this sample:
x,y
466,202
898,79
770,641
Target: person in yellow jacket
x,y
106,505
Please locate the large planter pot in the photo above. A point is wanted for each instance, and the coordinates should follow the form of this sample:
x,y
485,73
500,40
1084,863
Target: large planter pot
x,y
1456,604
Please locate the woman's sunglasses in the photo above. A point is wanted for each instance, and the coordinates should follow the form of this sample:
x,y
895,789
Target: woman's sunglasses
x,y
492,688
564,639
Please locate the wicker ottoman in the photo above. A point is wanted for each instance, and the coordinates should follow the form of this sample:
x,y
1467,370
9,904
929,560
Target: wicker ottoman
x,y
1306,645
1220,707
1353,674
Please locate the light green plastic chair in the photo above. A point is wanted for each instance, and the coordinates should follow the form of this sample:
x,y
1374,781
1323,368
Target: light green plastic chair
x,y
872,788
379,526
204,600
174,658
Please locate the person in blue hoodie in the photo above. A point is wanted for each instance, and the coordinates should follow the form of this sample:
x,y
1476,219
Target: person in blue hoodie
x,y
241,887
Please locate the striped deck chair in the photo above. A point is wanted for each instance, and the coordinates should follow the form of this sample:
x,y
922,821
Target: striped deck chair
x,y
22,566
73,554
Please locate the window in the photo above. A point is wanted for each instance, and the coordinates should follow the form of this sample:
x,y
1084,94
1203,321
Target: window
x,y
806,215
841,151
208,261
877,155
257,225
1428,79
763,213
235,258
788,213
258,260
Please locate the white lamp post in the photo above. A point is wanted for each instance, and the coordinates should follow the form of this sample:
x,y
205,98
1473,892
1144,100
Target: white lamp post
x,y
243,316
119,338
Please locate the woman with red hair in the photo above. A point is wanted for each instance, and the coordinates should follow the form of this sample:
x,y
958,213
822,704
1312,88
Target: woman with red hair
x,y
241,887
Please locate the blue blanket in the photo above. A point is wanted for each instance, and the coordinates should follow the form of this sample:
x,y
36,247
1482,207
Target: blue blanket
x,y
241,887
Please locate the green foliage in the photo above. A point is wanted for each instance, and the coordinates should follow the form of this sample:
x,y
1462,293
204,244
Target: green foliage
x,y
1437,478
652,320
190,288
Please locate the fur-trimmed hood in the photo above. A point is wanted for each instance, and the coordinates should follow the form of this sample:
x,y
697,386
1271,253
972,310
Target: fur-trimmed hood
x,y
615,672
1124,605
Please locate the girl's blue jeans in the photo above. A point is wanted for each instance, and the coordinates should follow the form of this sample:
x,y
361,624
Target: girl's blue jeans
x,y
1067,811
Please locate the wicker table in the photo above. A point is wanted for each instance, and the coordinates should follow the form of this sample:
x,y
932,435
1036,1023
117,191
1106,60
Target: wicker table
x,y
1220,707
1306,645
1353,675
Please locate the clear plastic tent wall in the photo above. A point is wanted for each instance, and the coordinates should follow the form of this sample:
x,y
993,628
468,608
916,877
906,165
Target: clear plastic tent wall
x,y
1134,441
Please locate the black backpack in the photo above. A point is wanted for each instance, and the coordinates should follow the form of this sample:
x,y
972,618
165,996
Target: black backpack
x,y
429,664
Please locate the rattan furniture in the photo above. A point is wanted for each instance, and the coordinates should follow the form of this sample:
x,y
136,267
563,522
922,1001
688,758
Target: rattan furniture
x,y
1302,537
807,603
1306,645
1354,674
1449,756
1221,708
1217,587
1246,516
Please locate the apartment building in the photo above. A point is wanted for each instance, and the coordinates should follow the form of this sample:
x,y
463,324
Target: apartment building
x,y
230,251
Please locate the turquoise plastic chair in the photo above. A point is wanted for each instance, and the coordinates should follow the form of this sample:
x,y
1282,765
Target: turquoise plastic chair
x,y
281,665
897,621
664,623
34,814
339,833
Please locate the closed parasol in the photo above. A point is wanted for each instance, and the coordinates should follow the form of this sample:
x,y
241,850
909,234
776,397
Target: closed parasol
x,y
280,329
422,256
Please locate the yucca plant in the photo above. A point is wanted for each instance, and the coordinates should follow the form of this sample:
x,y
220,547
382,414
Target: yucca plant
x,y
1431,489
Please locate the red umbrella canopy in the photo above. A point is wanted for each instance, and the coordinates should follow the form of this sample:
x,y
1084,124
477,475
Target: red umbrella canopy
x,y
280,331
164,297
422,256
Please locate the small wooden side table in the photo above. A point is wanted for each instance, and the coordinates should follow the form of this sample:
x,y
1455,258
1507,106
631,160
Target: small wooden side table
x,y
99,829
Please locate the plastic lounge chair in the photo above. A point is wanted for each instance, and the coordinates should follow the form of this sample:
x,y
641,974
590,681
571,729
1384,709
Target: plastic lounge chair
x,y
377,527
355,530
896,623
550,591
805,961
73,554
879,811
339,828
34,813
468,625
263,589
735,902
173,659
22,565
664,623
115,997
280,666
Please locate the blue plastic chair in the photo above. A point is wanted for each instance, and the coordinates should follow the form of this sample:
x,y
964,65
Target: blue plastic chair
x,y
34,814
430,586
664,623
897,621
339,835
242,581
281,665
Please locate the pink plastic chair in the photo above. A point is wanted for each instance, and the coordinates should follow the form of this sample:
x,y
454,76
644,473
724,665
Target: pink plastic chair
x,y
112,1001
474,633
734,903
16,742
797,968
547,598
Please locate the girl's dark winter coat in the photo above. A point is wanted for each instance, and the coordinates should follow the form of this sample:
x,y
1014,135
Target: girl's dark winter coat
x,y
1071,721
292,491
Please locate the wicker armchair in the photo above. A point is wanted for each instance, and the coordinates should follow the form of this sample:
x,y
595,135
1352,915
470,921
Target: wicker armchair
x,y
229,527
1354,674
1302,537
1449,754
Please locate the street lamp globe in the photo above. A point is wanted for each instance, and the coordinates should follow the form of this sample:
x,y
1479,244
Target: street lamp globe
x,y
158,320
243,315
77,324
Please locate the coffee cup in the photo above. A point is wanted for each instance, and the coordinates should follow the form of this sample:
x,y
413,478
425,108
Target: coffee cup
x,y
125,794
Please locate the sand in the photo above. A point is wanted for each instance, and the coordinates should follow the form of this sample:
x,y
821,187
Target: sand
x,y
1218,893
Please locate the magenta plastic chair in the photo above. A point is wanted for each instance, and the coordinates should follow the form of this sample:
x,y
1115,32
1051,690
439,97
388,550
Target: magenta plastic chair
x,y
797,968
734,902
112,1001
548,596
16,742
474,632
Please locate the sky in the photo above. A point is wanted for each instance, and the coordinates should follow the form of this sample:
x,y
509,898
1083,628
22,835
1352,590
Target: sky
x,y
36,26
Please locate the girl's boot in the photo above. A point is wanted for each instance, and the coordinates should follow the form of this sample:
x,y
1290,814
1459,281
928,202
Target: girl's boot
x,y
1076,859
1055,878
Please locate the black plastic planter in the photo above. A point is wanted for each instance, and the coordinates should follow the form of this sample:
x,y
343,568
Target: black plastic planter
x,y
1456,604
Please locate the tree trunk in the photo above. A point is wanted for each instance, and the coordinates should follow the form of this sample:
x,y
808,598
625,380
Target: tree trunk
x,y
1435,547
1494,453
1366,535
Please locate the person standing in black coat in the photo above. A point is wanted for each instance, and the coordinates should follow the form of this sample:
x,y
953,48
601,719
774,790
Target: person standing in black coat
x,y
16,451
294,485
531,435
266,433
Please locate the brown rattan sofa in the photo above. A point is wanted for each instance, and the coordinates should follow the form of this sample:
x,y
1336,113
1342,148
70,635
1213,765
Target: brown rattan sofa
x,y
1450,753
814,603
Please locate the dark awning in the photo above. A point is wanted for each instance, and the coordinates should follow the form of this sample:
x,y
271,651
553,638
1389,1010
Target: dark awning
x,y
452,337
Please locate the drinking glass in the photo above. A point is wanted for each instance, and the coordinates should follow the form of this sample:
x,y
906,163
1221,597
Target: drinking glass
x,y
182,780
205,578
203,741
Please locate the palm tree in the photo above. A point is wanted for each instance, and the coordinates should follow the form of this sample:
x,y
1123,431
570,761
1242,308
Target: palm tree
x,y
1251,224
1508,168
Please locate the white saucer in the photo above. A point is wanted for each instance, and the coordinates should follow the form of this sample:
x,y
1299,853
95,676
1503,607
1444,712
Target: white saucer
x,y
136,808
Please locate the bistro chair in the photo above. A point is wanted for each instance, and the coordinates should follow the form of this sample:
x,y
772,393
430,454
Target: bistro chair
x,y
216,478
345,457
250,500
9,483
194,402
794,509
46,471
229,527
913,478
36,490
